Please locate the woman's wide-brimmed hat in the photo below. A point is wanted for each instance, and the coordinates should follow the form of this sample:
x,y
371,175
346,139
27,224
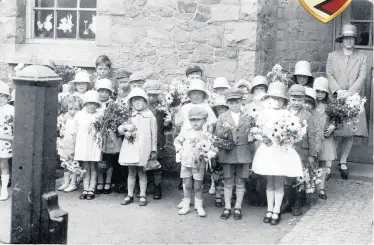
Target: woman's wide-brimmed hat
x,y
322,84
136,92
81,77
4,88
153,86
309,92
277,89
221,82
348,30
303,68
259,80
91,96
199,85
104,83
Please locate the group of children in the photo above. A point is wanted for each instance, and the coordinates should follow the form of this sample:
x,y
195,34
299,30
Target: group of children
x,y
233,105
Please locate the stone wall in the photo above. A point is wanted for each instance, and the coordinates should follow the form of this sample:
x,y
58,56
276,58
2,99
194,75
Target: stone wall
x,y
299,36
231,38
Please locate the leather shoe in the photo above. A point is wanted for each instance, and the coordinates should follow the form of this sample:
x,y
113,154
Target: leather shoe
x,y
266,218
226,214
322,194
344,172
238,214
157,192
127,200
275,221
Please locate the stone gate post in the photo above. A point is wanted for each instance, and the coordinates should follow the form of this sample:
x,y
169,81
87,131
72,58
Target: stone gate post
x,y
36,216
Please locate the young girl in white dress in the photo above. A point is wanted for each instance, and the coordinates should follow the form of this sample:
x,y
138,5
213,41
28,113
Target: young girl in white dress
x,y
87,148
81,83
272,160
73,105
6,111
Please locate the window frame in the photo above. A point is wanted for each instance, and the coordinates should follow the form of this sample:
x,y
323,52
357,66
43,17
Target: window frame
x,y
30,22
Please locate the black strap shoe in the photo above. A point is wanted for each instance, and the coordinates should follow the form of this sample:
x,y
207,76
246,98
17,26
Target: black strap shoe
x,y
322,194
275,221
226,214
238,214
267,217
344,173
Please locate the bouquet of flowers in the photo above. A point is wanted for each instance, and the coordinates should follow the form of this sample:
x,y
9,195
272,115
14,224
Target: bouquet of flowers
x,y
71,165
6,131
204,150
224,138
175,97
115,114
345,109
277,74
310,179
130,132
280,127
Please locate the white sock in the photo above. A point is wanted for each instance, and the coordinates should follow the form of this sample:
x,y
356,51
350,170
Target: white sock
x,y
278,202
239,196
270,199
4,184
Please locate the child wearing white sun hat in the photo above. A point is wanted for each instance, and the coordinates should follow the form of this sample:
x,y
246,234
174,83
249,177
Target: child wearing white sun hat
x,y
6,117
87,148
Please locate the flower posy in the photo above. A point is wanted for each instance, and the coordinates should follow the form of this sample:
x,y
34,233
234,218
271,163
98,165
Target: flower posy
x,y
276,74
71,165
204,149
281,127
115,114
345,109
310,180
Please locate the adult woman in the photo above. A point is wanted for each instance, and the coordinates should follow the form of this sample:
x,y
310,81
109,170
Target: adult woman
x,y
346,72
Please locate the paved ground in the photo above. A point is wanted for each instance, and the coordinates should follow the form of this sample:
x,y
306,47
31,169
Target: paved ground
x,y
346,217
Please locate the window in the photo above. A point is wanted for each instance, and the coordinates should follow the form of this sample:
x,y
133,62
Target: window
x,y
64,19
361,15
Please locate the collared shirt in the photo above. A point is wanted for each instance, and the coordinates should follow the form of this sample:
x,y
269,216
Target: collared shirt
x,y
235,116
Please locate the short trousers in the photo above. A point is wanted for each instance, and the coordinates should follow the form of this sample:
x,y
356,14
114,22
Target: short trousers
x,y
235,170
196,174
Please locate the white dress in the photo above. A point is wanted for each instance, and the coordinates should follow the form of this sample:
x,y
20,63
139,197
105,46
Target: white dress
x,y
5,146
276,160
86,146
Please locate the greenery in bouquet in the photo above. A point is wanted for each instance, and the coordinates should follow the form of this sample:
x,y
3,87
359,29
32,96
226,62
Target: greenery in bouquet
x,y
223,139
280,127
67,73
310,180
204,150
114,115
7,127
71,165
278,74
174,97
345,109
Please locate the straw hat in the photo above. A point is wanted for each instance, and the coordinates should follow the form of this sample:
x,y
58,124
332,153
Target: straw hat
x,y
81,77
199,85
153,86
136,92
259,80
91,96
348,30
297,90
322,84
4,88
234,93
311,93
104,83
221,82
277,89
303,68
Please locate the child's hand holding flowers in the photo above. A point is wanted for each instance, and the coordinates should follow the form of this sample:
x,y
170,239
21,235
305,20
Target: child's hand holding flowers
x,y
329,129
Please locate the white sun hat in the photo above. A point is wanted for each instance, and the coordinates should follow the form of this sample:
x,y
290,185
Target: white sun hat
x,y
221,82
81,77
4,88
91,96
104,83
199,85
136,92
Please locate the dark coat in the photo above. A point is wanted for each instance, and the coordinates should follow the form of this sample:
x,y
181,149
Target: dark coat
x,y
161,138
241,153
